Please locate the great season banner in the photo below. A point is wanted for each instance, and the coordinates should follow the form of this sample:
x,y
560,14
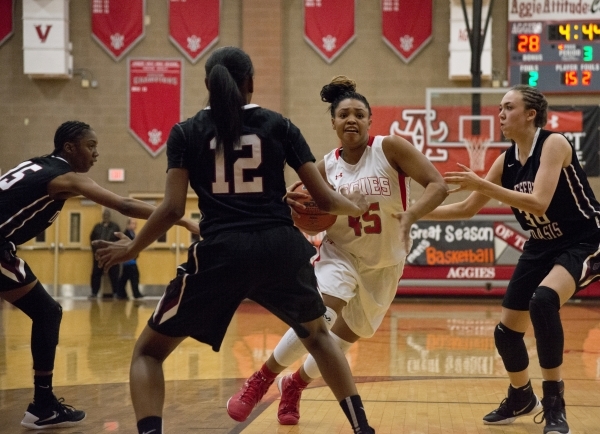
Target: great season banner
x,y
452,243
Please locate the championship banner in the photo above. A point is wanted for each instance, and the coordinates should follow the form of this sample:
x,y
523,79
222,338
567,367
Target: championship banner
x,y
194,26
118,25
6,20
155,98
407,26
329,26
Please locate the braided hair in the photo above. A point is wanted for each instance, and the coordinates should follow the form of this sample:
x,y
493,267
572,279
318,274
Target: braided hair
x,y
341,88
535,100
70,131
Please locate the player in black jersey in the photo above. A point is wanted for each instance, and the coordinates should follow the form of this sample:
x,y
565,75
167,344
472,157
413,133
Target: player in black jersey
x,y
233,155
32,195
540,177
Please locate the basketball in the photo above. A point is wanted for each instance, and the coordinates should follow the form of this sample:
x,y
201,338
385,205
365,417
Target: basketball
x,y
311,219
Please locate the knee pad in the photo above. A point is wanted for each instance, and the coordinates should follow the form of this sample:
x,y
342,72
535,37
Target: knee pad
x,y
310,365
511,347
289,349
46,315
544,309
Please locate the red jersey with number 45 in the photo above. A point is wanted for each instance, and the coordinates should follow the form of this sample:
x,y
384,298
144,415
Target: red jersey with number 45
x,y
373,237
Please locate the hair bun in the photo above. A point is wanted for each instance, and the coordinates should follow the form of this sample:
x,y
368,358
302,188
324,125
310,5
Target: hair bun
x,y
339,85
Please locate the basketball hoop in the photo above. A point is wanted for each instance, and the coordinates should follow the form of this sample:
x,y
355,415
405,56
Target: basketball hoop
x,y
477,147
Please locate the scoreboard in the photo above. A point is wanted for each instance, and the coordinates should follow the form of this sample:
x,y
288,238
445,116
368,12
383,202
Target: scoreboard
x,y
555,56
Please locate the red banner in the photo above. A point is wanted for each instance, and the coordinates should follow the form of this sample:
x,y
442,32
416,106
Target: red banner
x,y
407,26
118,25
194,26
329,26
6,20
154,100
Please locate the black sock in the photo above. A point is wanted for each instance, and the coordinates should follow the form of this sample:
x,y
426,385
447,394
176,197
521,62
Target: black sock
x,y
42,392
355,412
150,425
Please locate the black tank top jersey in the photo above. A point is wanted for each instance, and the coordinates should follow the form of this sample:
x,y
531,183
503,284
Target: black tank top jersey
x,y
243,189
574,212
25,207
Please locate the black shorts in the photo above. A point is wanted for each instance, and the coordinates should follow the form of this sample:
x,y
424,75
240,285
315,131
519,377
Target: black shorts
x,y
581,260
14,272
271,267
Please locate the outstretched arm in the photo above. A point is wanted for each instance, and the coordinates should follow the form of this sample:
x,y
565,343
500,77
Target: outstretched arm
x,y
405,158
165,215
74,184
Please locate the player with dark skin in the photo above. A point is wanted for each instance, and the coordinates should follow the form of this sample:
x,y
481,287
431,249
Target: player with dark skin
x,y
211,296
26,210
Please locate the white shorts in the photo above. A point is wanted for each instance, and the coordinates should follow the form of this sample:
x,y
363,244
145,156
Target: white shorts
x,y
368,291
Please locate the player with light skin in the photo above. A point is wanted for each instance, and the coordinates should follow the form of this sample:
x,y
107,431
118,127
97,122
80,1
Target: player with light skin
x,y
360,259
540,177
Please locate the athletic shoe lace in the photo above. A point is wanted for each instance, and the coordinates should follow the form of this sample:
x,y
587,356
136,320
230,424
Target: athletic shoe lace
x,y
293,392
254,389
61,407
553,414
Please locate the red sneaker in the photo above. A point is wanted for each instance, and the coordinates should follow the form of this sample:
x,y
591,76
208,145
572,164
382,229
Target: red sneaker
x,y
289,406
240,405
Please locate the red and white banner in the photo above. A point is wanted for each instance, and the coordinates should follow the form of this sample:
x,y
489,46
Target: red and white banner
x,y
155,97
7,8
194,26
118,25
407,26
329,26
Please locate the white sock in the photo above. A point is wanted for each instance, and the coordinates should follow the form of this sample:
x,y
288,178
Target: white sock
x,y
290,348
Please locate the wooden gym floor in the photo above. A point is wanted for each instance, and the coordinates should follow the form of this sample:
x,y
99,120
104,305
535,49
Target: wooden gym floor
x,y
430,369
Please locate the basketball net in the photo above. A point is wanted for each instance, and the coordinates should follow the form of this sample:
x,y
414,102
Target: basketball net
x,y
477,147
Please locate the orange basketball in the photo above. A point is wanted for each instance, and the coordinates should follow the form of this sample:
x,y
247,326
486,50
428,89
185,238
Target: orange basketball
x,y
311,219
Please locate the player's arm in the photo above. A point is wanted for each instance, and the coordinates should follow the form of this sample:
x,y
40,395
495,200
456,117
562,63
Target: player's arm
x,y
348,203
292,196
170,210
405,158
74,184
556,154
473,203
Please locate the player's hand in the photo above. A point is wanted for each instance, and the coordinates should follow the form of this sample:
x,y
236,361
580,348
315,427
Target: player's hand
x,y
406,220
292,196
191,225
109,253
466,180
357,198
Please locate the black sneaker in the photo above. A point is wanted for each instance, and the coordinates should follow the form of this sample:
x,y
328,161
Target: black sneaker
x,y
554,412
512,407
57,414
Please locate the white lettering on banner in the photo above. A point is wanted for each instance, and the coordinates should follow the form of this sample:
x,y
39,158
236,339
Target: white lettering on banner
x,y
418,251
471,273
432,232
472,233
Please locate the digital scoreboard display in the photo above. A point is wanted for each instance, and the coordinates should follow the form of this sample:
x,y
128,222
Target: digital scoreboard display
x,y
555,56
